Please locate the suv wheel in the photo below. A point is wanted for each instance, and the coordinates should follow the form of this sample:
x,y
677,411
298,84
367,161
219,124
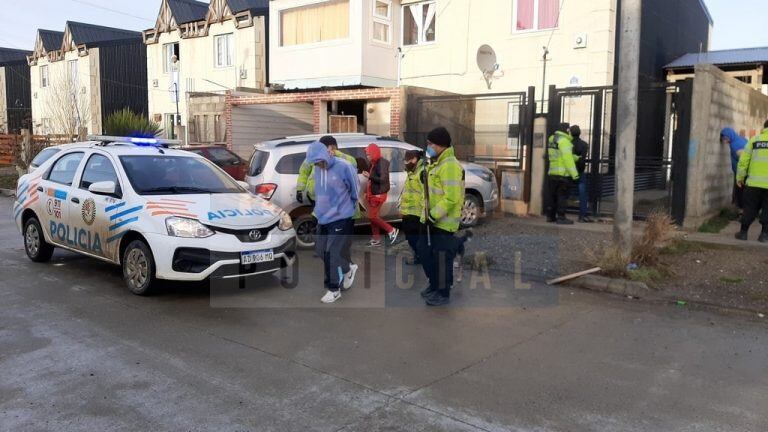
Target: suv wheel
x,y
305,226
138,268
38,250
470,211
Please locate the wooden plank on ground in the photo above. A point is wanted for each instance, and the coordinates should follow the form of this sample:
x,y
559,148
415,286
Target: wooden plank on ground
x,y
573,276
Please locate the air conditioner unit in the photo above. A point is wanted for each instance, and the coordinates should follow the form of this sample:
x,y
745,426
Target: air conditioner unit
x,y
580,41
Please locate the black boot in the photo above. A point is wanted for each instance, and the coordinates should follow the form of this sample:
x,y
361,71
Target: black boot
x,y
742,235
763,237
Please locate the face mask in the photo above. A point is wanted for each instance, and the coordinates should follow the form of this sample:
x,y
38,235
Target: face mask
x,y
431,153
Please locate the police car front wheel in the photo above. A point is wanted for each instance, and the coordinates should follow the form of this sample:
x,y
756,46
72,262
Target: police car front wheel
x,y
138,268
38,250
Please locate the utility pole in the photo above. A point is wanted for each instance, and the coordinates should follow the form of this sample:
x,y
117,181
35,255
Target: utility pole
x,y
629,70
544,78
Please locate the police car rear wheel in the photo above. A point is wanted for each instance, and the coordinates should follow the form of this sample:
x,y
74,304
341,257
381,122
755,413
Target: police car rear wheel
x,y
38,250
470,211
138,268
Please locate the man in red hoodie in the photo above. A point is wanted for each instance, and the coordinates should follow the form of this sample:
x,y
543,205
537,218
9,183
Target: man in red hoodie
x,y
378,188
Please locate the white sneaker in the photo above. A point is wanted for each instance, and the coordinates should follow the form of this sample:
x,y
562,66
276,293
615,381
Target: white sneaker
x,y
349,278
393,235
331,296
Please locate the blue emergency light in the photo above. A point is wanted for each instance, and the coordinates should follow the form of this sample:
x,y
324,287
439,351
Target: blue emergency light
x,y
138,141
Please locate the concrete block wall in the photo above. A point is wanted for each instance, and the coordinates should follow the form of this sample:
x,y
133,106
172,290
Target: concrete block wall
x,y
718,101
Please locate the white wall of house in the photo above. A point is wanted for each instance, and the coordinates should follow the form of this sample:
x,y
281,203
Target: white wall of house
x,y
462,26
198,71
57,106
356,59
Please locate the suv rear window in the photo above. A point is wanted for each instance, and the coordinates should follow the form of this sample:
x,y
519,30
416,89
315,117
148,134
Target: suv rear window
x,y
394,155
258,163
290,164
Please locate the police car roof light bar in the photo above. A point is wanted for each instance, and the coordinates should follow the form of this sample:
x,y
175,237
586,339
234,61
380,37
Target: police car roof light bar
x,y
139,141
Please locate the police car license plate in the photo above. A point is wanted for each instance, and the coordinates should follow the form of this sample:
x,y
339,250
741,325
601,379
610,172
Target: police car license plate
x,y
256,257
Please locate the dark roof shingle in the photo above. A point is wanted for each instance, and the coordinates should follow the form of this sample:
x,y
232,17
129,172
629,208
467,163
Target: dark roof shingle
x,y
51,39
10,55
257,7
92,35
724,57
187,11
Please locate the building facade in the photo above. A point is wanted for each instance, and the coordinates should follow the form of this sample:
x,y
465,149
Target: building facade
x,y
15,97
195,54
80,76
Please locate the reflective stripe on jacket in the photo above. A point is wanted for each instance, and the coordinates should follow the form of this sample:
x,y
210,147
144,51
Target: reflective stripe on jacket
x,y
560,154
445,180
412,200
753,164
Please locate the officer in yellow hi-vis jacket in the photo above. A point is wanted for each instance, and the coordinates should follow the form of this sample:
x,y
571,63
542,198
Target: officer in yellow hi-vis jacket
x,y
444,197
412,202
752,174
562,173
306,180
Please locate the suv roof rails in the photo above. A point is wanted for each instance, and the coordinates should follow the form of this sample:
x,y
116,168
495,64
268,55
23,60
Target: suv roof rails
x,y
138,141
293,143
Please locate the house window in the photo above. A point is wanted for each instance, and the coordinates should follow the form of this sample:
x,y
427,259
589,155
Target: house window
x,y
73,75
170,57
537,14
44,81
224,50
382,20
319,22
419,23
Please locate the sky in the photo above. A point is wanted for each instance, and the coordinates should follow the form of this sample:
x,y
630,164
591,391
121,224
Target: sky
x,y
21,18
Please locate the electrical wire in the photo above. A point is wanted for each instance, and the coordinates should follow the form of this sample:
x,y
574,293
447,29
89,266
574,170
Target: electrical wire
x,y
119,12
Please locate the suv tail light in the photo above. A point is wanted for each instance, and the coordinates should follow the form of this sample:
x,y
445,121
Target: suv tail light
x,y
266,190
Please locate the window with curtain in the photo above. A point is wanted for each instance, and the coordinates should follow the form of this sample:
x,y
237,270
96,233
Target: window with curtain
x,y
382,20
43,76
223,50
419,23
73,75
320,22
537,14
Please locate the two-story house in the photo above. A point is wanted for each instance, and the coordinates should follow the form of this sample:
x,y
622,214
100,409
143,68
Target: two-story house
x,y
15,109
195,53
80,76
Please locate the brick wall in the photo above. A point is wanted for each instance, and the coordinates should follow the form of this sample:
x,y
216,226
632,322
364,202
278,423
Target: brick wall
x,y
317,98
718,101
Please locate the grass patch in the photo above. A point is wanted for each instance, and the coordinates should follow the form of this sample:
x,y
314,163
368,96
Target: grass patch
x,y
682,247
731,280
647,275
718,222
8,181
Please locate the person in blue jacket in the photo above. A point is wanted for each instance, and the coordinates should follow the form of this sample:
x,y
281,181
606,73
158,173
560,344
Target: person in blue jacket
x,y
736,143
336,196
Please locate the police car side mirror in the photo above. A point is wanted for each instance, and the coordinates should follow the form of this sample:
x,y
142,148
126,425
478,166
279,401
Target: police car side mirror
x,y
103,188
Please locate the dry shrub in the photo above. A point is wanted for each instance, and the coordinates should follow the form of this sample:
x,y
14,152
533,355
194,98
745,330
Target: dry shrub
x,y
613,263
659,229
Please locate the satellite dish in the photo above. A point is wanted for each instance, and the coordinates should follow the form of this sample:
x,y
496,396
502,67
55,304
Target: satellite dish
x,y
486,61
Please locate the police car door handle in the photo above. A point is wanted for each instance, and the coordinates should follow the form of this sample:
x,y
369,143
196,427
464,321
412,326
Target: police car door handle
x,y
76,200
39,188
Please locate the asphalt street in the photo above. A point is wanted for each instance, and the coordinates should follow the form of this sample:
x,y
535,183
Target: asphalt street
x,y
79,352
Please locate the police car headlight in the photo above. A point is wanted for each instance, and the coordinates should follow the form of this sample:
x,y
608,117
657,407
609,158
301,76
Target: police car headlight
x,y
186,228
285,222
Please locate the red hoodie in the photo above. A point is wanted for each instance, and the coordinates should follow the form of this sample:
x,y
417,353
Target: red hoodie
x,y
378,181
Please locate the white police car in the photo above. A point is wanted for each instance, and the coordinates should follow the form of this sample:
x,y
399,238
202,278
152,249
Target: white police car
x,y
160,213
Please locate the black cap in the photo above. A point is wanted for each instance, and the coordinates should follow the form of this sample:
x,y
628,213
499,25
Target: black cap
x,y
575,131
563,127
440,136
329,141
410,154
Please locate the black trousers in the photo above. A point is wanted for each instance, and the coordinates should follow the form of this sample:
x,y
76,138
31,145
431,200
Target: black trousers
x,y
559,188
332,244
413,230
437,259
738,195
755,202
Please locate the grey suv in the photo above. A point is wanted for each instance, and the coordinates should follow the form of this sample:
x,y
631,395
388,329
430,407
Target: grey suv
x,y
274,170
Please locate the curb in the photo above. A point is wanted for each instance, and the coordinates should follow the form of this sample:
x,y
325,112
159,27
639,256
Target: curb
x,y
615,286
7,192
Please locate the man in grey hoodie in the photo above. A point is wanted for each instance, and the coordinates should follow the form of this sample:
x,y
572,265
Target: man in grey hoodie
x,y
336,196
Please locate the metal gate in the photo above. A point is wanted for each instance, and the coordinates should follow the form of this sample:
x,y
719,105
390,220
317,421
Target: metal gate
x,y
663,130
491,130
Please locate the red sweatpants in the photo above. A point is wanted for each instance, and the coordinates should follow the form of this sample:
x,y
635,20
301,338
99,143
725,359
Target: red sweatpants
x,y
377,223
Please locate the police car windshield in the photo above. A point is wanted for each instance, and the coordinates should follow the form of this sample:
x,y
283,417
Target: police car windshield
x,y
166,175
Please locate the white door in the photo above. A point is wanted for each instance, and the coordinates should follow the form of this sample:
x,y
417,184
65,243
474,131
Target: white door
x,y
55,190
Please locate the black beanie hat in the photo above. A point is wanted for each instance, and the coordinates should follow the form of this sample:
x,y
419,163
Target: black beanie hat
x,y
440,136
329,141
575,131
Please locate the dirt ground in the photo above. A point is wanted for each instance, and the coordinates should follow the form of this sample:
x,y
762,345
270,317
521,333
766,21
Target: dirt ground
x,y
720,275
